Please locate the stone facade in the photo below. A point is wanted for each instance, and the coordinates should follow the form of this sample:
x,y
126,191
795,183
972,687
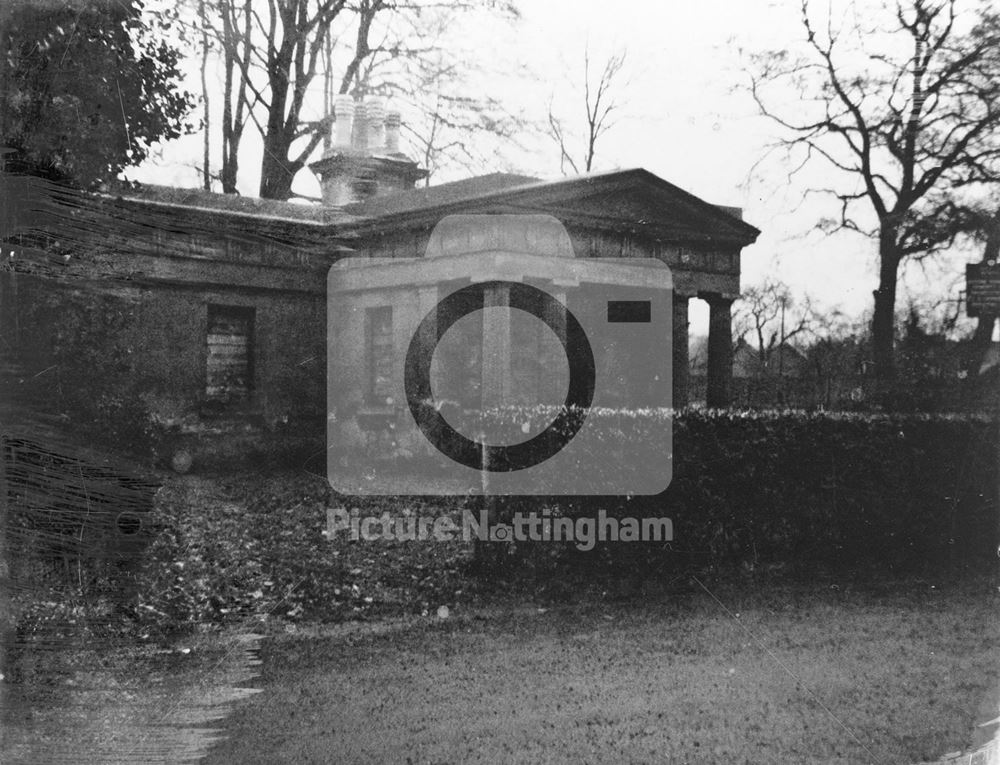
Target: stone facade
x,y
488,359
178,260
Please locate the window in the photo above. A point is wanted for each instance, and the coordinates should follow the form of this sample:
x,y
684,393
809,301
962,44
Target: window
x,y
380,356
229,369
458,370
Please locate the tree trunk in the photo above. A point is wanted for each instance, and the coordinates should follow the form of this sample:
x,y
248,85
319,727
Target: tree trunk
x,y
884,318
975,354
235,45
277,173
230,140
206,128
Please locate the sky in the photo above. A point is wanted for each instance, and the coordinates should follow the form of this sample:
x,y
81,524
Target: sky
x,y
684,114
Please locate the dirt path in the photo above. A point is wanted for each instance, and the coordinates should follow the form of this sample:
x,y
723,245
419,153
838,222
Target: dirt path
x,y
134,707
77,701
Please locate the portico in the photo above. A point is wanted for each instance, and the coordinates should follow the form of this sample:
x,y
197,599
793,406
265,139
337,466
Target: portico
x,y
620,214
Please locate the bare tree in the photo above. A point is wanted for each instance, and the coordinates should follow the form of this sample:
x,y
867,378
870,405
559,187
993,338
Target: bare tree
x,y
284,61
908,117
600,101
836,352
225,28
237,47
271,54
206,44
296,33
770,315
451,128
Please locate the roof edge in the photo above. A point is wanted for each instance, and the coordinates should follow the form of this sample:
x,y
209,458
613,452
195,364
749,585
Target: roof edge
x,y
721,213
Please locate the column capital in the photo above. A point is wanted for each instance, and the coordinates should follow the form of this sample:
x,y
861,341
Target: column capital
x,y
717,298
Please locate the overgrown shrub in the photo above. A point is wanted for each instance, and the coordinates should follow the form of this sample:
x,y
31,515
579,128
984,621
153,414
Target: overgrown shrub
x,y
884,495
78,349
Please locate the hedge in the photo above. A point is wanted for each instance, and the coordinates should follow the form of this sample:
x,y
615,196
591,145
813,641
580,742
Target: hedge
x,y
794,488
766,490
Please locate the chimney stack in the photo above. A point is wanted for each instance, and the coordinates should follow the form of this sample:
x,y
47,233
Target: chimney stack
x,y
364,159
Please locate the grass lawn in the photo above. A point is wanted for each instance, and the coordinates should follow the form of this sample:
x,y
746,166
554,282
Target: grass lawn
x,y
890,674
557,664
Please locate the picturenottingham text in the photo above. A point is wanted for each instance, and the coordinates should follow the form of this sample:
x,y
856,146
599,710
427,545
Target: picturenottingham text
x,y
541,526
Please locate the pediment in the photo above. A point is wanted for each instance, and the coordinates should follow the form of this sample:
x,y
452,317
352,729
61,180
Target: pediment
x,y
625,200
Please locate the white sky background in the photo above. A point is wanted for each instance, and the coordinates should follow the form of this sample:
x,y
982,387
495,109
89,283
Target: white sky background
x,y
683,117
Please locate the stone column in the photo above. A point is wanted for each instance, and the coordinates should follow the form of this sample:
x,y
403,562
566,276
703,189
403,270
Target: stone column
x,y
552,353
681,363
425,302
720,350
497,383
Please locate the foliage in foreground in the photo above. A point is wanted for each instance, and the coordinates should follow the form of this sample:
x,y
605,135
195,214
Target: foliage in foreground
x,y
89,86
757,493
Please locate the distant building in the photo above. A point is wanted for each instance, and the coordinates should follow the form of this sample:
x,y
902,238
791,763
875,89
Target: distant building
x,y
783,360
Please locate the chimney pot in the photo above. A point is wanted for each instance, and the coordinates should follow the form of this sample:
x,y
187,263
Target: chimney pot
x,y
392,123
359,136
376,125
343,112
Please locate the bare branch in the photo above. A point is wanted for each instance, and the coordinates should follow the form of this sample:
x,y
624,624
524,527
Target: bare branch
x,y
599,104
912,127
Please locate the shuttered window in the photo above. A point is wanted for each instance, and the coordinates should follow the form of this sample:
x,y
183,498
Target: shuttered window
x,y
378,334
229,372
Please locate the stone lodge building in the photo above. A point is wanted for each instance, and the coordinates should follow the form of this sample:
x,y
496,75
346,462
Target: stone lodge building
x,y
219,302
